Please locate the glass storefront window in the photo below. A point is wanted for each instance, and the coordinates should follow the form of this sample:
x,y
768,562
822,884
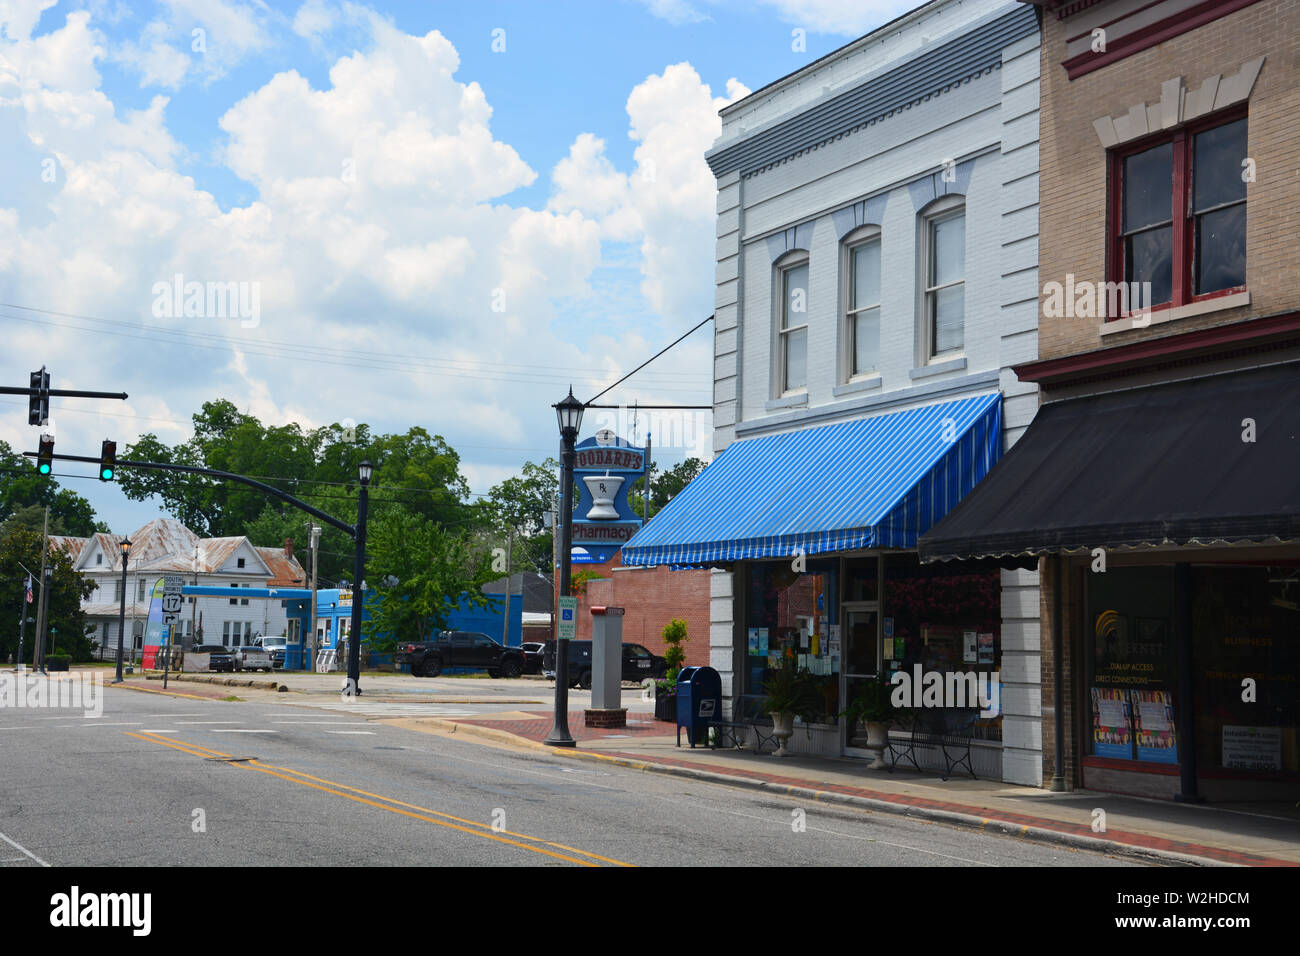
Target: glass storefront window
x,y
1131,664
1246,625
945,618
789,610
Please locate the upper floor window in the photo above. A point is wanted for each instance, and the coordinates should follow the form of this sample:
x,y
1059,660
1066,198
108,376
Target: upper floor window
x,y
943,326
141,589
99,559
239,562
792,323
1180,224
862,299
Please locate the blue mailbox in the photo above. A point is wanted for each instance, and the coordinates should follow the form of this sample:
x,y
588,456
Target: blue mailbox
x,y
699,701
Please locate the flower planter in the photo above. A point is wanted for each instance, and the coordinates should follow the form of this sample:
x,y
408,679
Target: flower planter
x,y
782,729
666,705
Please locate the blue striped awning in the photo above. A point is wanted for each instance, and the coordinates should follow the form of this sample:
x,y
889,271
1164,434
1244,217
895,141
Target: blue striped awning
x,y
876,482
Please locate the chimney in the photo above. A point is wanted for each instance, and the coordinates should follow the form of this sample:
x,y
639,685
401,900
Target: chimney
x,y
288,547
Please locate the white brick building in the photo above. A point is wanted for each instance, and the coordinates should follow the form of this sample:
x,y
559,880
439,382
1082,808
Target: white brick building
x,y
877,254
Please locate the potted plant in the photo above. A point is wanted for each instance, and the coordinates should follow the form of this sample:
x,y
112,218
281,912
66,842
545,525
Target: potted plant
x,y
57,662
788,694
871,707
673,634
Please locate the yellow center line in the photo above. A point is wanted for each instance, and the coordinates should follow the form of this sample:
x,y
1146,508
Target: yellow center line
x,y
472,827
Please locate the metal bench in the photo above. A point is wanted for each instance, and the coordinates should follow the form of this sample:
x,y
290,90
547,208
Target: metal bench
x,y
948,731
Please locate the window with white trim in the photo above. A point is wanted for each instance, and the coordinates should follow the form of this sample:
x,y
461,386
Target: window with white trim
x,y
862,303
792,323
943,324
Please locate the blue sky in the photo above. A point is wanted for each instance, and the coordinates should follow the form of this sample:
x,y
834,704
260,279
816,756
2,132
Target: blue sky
x,y
479,177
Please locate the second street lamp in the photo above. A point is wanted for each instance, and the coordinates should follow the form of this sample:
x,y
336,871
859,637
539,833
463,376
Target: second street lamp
x,y
569,415
121,623
364,471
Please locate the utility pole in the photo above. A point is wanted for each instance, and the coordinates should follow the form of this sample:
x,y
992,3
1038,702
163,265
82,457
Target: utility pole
x,y
310,643
510,551
38,655
194,603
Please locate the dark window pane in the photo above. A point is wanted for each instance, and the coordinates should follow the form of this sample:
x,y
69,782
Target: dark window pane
x,y
1148,257
866,275
1216,172
948,256
1221,249
1148,187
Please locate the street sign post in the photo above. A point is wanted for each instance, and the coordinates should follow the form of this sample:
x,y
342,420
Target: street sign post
x,y
568,630
172,602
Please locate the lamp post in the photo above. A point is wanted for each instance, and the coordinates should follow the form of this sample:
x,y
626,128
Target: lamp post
x,y
364,471
569,415
309,645
121,622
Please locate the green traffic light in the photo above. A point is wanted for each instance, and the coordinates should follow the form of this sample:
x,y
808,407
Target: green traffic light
x,y
44,468
106,474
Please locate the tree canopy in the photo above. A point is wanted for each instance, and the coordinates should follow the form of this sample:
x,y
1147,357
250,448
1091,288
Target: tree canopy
x,y
25,492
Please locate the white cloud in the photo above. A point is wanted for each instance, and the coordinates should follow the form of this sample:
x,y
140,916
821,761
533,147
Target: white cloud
x,y
675,12
313,18
668,201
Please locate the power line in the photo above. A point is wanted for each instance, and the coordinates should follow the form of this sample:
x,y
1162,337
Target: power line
x,y
649,360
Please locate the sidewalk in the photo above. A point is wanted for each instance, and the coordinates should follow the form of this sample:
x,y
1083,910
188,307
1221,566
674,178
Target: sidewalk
x,y
1157,830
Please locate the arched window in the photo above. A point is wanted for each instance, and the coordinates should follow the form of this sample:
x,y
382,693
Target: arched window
x,y
792,322
943,278
862,292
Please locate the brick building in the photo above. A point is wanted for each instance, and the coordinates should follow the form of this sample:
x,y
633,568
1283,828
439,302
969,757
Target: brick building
x,y
1159,483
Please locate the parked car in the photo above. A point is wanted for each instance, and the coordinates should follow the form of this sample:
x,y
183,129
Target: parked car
x,y
533,653
461,649
219,659
250,657
275,646
638,663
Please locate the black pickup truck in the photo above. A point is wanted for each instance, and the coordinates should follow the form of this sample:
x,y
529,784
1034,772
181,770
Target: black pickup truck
x,y
461,649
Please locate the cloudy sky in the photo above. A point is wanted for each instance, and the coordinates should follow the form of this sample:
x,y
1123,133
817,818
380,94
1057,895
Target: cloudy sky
x,y
436,213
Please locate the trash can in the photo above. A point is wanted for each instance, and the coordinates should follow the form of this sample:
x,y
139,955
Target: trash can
x,y
699,700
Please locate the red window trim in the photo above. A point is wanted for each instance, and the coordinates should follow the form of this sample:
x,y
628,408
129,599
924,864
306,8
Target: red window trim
x,y
1182,140
1149,36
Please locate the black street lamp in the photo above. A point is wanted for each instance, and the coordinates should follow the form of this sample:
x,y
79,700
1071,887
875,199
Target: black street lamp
x,y
121,626
569,415
364,471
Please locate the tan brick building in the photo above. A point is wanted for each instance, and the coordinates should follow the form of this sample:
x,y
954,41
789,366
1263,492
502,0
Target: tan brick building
x,y
1159,484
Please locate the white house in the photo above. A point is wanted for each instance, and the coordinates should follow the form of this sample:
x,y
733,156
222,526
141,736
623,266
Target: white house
x,y
165,546
876,279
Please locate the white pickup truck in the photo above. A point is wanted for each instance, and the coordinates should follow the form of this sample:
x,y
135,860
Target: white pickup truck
x,y
251,658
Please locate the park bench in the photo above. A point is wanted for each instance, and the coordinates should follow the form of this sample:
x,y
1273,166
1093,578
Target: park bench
x,y
947,730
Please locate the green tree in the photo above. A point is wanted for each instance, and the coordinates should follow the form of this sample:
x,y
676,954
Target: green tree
x,y
663,487
417,572
22,546
518,506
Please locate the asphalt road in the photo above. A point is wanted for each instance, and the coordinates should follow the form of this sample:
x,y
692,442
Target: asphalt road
x,y
152,782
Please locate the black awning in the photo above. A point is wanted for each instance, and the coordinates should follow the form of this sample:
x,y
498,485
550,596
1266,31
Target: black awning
x,y
1158,465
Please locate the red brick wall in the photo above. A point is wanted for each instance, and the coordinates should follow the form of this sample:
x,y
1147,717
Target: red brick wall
x,y
651,597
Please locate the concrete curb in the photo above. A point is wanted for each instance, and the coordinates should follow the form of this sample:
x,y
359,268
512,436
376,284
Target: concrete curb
x,y
223,681
965,820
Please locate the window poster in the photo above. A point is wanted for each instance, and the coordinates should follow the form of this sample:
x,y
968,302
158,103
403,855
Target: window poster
x,y
1112,734
968,647
763,647
986,648
753,640
1153,716
1252,748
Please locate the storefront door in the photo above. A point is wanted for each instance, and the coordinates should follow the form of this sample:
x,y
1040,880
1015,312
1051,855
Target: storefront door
x,y
859,665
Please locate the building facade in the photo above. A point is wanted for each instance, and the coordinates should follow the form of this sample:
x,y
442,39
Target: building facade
x,y
1159,483
876,283
165,546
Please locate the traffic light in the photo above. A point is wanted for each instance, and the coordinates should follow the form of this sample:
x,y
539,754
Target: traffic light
x,y
45,458
107,460
38,403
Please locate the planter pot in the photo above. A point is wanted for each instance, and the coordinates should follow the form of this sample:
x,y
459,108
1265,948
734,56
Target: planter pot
x,y
877,738
665,706
53,665
782,729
